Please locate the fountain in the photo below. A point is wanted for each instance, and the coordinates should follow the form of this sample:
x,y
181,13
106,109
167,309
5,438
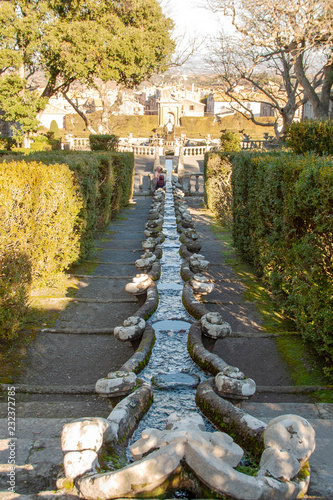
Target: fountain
x,y
172,449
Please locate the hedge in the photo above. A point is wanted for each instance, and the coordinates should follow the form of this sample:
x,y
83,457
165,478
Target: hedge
x,y
105,181
103,142
49,213
218,193
15,282
283,224
39,208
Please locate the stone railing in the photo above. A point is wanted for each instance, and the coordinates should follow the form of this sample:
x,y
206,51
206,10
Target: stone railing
x,y
195,150
144,150
122,148
262,144
192,183
76,144
137,150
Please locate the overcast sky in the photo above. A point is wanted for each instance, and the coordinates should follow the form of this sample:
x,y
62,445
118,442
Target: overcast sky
x,y
190,16
192,19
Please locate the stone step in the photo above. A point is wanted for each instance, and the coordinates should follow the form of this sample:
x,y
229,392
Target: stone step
x,y
38,453
54,406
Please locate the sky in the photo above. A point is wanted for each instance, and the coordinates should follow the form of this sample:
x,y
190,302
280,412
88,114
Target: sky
x,y
191,18
189,15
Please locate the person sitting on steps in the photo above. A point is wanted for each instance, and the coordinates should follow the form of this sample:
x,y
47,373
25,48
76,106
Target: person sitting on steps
x,y
160,182
157,173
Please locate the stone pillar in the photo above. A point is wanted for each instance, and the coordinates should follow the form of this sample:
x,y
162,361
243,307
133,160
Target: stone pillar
x,y
181,162
157,156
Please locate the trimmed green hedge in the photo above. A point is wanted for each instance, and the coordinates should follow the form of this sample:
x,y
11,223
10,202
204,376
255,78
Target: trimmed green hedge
x,y
218,193
15,282
103,142
105,181
39,237
283,224
39,209
51,204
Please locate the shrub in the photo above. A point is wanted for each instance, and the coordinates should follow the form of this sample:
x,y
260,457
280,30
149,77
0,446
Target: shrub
x,y
103,142
230,142
39,208
6,143
311,136
283,224
218,194
15,280
105,181
54,129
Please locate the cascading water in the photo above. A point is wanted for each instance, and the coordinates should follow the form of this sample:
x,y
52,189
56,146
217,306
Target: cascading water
x,y
176,457
171,323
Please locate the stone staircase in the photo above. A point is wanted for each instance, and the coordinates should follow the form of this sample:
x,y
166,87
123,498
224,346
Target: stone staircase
x,y
49,397
38,453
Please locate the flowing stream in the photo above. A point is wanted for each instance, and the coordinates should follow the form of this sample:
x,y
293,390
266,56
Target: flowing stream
x,y
171,323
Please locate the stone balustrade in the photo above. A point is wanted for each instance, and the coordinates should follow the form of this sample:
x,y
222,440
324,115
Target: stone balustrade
x,y
82,144
76,144
262,144
192,183
195,150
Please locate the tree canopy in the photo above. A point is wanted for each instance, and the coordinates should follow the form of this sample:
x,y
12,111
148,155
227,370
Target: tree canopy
x,y
287,33
79,40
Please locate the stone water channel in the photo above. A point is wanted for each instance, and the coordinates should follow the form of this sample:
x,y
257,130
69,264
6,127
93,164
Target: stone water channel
x,y
171,371
175,452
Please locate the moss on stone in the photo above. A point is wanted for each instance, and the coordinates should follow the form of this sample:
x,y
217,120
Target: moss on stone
x,y
252,444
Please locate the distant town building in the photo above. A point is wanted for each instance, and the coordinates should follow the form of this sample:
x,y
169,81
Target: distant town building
x,y
193,108
50,113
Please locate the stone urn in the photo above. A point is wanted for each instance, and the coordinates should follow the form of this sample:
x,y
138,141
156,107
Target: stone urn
x,y
198,263
201,285
146,261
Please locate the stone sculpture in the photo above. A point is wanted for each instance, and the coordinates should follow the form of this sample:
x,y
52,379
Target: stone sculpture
x,y
198,263
116,384
201,285
146,261
213,326
139,285
132,329
211,457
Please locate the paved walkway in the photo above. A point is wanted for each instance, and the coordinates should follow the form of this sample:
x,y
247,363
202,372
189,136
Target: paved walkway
x,y
80,349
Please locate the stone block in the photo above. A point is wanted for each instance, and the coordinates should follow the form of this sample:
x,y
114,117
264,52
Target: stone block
x,y
226,449
190,422
133,328
220,477
84,434
279,464
77,463
293,434
136,479
228,386
116,384
213,326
